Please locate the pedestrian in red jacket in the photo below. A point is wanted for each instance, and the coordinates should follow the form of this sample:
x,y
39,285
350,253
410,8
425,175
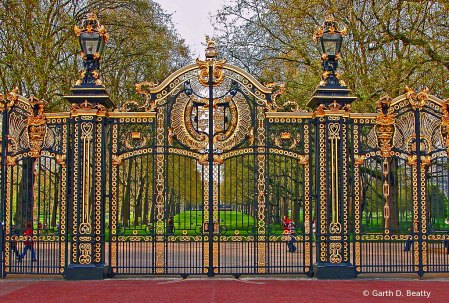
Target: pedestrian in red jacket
x,y
29,243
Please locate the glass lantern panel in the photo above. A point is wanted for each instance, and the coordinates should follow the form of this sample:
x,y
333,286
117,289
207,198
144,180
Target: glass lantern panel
x,y
330,47
90,43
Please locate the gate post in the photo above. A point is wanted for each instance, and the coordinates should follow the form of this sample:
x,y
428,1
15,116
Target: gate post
x,y
87,182
331,103
90,101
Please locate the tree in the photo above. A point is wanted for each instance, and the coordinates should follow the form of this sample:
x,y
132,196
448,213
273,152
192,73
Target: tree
x,y
390,44
39,51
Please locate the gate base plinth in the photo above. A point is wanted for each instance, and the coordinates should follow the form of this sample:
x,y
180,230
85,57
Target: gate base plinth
x,y
332,271
86,272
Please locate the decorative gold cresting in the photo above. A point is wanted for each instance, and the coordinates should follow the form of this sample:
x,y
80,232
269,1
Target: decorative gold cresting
x,y
277,89
217,66
445,125
385,132
417,100
37,127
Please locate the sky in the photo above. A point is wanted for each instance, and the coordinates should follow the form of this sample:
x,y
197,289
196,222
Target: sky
x,y
191,20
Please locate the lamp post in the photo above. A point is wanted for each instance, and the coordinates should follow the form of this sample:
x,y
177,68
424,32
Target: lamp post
x,y
86,174
330,38
331,103
332,92
92,39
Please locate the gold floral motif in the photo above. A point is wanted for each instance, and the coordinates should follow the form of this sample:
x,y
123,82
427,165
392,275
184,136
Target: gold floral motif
x,y
60,159
218,159
203,159
11,160
359,160
425,160
12,98
303,160
412,160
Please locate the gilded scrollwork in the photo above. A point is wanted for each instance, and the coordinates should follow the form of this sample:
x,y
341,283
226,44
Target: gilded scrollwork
x,y
335,256
217,66
445,125
385,126
278,89
417,100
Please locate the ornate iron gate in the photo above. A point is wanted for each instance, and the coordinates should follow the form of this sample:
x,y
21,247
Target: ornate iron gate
x,y
400,186
197,179
34,187
191,191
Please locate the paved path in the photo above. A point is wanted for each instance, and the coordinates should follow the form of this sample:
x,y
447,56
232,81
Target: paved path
x,y
223,290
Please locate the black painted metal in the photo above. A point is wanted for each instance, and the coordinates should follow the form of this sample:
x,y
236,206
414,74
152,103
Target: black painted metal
x,y
130,238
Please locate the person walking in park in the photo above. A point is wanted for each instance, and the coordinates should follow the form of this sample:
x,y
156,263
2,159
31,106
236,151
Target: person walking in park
x,y
289,229
446,242
29,244
170,225
14,249
409,242
314,231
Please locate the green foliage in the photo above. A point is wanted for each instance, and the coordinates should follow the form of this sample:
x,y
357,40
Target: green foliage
x,y
389,44
39,50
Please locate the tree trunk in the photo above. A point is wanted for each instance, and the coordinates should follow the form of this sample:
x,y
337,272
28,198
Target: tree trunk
x,y
25,197
125,212
56,200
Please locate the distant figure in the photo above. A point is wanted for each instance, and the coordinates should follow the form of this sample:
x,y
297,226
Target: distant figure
x,y
14,249
409,242
170,225
314,231
446,242
29,244
289,228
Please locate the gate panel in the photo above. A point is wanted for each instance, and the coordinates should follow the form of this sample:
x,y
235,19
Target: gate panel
x,y
35,189
385,186
289,192
434,146
400,186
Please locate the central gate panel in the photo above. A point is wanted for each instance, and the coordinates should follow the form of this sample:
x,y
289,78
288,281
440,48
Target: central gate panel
x,y
200,180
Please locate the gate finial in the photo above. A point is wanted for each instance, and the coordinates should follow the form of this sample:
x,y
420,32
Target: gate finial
x,y
211,50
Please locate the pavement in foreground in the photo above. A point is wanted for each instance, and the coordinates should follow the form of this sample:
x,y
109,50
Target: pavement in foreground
x,y
279,290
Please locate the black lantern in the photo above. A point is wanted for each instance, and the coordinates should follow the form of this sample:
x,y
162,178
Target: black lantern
x,y
331,44
89,91
92,38
91,44
329,38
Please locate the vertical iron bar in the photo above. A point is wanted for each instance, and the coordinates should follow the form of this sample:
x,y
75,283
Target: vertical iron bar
x,y
418,171
211,172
